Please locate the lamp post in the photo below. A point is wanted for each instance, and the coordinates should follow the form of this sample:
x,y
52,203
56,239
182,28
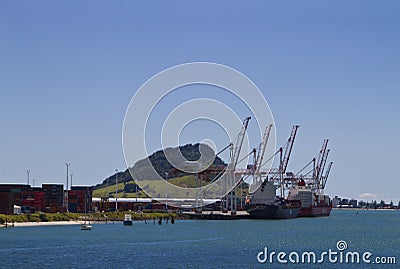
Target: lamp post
x,y
66,195
197,191
71,179
116,191
67,165
136,190
108,194
28,172
166,191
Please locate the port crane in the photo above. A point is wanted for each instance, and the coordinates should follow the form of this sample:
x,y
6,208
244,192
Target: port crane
x,y
234,159
288,150
261,152
229,172
284,159
320,161
277,175
255,171
318,178
285,153
320,166
325,178
239,143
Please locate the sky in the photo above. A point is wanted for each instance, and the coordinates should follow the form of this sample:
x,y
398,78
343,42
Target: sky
x,y
68,70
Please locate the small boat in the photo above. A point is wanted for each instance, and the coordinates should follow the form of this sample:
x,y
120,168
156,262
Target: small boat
x,y
128,220
86,226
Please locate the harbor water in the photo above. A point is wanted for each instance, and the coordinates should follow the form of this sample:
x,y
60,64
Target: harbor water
x,y
202,243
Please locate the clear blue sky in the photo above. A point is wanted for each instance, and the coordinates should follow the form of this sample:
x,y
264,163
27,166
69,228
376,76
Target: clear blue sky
x,y
69,69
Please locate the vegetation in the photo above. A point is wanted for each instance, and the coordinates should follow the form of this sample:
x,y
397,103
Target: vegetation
x,y
108,216
143,170
39,217
102,191
188,181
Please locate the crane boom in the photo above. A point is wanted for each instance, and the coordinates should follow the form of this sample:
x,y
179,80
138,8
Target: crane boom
x,y
231,169
326,175
324,159
318,172
239,143
261,151
288,149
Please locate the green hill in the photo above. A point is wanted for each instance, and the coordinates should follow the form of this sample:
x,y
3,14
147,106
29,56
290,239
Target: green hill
x,y
188,181
184,182
143,170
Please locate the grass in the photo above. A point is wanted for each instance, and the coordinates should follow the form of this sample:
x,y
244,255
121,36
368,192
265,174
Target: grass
x,y
185,182
102,192
157,187
49,217
39,217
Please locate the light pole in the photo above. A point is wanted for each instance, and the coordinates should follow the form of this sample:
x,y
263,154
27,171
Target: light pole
x,y
241,194
136,190
108,194
66,196
166,191
67,165
71,179
34,180
28,172
197,191
116,191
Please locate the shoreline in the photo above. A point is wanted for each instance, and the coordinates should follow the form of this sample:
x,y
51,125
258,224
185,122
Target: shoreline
x,y
41,223
79,222
365,209
57,223
52,223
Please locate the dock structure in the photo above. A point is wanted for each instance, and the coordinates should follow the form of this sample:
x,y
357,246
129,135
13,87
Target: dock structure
x,y
217,215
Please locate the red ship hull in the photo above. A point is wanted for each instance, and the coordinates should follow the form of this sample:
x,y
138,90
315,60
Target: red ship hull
x,y
315,211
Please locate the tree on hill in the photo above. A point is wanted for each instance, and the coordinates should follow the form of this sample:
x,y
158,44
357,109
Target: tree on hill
x,y
143,169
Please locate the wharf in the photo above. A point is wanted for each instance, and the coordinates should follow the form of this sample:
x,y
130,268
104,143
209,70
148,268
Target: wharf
x,y
217,215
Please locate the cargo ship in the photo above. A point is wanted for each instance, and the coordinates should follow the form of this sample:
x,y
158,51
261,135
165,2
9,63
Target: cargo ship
x,y
310,189
280,209
264,204
313,203
300,195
